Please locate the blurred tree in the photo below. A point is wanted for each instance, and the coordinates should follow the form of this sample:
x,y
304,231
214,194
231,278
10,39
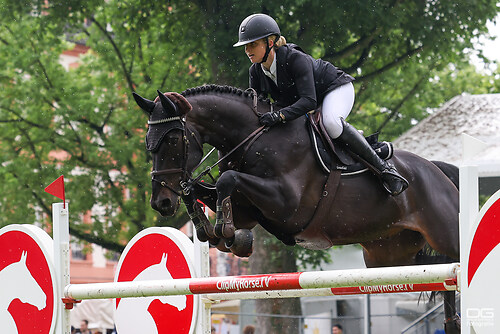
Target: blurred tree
x,y
82,122
392,47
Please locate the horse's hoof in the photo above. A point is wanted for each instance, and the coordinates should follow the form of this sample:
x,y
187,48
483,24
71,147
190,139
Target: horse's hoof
x,y
205,233
224,230
242,243
202,235
220,244
213,242
453,325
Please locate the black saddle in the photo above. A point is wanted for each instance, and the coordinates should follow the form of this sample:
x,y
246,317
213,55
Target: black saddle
x,y
334,155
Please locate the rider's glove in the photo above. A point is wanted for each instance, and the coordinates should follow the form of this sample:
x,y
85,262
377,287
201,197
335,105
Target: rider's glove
x,y
271,118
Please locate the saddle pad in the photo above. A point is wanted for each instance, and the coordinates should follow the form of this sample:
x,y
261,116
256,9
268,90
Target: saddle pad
x,y
329,162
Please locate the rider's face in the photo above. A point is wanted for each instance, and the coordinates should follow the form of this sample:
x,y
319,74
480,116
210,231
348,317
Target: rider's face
x,y
256,50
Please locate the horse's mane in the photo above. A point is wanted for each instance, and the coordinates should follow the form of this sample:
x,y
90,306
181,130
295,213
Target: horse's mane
x,y
221,89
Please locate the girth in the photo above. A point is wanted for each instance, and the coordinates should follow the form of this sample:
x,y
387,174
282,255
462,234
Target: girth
x,y
313,232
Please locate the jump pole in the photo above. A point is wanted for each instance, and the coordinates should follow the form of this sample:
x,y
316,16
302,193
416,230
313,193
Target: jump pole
x,y
469,208
202,267
448,285
437,273
60,229
469,194
60,226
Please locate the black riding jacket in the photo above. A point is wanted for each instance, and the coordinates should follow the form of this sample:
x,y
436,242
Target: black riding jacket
x,y
302,80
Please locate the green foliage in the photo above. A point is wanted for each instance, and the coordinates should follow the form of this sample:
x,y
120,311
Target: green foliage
x,y
307,258
82,122
392,48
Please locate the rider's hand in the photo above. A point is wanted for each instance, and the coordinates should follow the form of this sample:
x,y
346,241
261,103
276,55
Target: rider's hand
x,y
271,118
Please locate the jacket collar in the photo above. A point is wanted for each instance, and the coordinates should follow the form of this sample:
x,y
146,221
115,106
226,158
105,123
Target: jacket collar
x,y
272,70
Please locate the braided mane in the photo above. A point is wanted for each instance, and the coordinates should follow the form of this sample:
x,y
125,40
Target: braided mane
x,y
220,89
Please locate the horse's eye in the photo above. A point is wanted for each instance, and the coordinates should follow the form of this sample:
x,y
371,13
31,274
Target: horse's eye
x,y
173,140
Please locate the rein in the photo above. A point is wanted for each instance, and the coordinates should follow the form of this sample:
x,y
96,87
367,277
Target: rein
x,y
255,101
254,134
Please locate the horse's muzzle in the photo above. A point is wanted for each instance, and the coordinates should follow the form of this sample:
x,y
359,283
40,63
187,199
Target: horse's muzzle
x,y
167,206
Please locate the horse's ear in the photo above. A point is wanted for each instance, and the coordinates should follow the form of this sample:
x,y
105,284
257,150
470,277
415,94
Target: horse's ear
x,y
24,255
164,258
167,104
144,104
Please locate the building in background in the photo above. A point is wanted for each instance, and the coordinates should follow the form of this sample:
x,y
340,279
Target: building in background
x,y
438,137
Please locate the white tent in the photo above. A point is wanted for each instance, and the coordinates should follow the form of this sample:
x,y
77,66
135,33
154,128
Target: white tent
x,y
438,137
98,312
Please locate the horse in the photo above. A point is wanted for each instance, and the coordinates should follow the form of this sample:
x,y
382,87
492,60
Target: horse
x,y
270,176
18,283
143,321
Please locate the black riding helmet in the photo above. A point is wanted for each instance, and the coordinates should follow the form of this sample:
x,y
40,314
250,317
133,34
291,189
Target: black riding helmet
x,y
255,27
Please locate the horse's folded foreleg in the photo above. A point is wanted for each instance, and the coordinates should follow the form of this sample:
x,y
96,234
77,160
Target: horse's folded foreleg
x,y
224,224
204,230
240,242
264,195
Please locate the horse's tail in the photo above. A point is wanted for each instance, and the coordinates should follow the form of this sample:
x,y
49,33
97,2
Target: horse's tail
x,y
428,255
449,170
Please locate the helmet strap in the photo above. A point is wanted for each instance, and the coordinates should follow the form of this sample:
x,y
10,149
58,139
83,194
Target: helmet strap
x,y
268,49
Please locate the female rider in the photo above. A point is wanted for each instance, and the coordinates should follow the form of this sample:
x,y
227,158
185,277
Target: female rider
x,y
300,83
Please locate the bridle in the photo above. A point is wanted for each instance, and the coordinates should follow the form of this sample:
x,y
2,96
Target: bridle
x,y
187,181
185,175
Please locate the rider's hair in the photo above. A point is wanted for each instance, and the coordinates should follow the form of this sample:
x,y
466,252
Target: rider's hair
x,y
280,42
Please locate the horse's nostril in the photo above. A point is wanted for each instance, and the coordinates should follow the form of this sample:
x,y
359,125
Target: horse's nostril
x,y
166,203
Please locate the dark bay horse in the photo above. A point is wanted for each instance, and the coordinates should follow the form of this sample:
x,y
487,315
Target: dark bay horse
x,y
271,178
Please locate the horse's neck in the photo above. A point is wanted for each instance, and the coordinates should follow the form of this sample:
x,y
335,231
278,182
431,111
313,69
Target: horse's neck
x,y
222,120
7,323
153,273
7,293
138,304
19,275
5,301
5,272
8,274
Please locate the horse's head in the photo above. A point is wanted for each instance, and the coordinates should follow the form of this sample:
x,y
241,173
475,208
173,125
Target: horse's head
x,y
28,290
160,271
169,143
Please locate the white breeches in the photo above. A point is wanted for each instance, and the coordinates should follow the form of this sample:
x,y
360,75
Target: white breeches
x,y
337,104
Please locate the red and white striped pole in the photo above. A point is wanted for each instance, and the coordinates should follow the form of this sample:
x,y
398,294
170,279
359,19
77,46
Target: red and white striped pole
x,y
449,285
391,277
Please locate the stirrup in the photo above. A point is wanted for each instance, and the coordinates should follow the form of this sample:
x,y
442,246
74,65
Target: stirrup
x,y
393,182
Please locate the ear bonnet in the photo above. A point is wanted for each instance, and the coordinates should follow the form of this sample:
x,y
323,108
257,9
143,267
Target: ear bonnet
x,y
167,115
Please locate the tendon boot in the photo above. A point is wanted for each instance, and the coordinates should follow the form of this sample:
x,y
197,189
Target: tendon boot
x,y
392,181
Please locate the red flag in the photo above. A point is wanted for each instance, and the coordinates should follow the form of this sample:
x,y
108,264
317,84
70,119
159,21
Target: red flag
x,y
56,188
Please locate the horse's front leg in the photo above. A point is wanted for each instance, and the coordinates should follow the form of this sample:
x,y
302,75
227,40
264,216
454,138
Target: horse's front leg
x,y
262,193
204,230
224,223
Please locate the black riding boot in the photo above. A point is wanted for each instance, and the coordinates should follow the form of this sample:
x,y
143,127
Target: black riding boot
x,y
392,181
